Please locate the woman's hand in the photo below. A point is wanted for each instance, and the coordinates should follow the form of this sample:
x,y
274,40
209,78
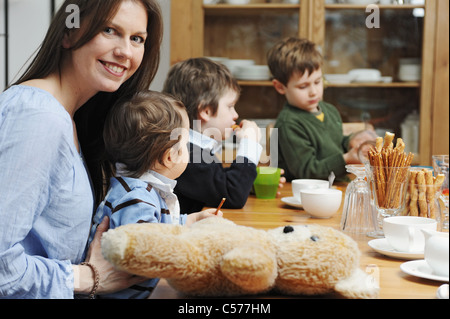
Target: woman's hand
x,y
111,279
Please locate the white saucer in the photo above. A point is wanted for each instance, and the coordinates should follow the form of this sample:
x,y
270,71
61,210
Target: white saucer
x,y
420,268
292,201
382,246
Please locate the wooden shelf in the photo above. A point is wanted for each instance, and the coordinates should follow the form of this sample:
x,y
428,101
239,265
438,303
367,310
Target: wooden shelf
x,y
376,85
227,9
259,6
255,83
363,7
345,85
276,6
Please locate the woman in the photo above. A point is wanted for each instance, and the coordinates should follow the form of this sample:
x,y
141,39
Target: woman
x,y
51,147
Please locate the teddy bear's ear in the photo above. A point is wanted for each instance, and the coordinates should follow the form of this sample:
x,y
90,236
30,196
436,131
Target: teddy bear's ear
x,y
151,250
359,285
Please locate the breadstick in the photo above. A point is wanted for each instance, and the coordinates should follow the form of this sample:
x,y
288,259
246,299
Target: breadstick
x,y
438,182
388,138
400,147
378,144
409,159
405,211
430,193
396,159
414,195
423,207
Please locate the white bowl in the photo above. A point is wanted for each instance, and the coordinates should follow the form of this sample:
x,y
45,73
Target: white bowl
x,y
218,59
238,1
303,184
410,72
233,64
339,78
321,203
252,72
365,75
360,1
386,79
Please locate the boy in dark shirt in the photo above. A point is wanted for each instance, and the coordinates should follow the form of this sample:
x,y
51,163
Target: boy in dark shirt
x,y
209,92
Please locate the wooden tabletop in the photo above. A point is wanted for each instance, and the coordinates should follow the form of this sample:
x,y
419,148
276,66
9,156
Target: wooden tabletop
x,y
272,213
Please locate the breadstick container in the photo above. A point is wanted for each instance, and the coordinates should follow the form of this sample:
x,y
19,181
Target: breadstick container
x,y
389,188
423,197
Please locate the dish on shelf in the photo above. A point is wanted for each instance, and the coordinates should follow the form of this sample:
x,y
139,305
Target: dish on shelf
x,y
339,78
237,1
252,72
219,59
360,1
358,75
207,2
386,79
365,75
410,69
233,64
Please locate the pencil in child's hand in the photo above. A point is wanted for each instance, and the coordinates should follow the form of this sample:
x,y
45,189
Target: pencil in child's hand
x,y
220,206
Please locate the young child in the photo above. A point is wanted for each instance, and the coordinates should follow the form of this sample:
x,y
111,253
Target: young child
x,y
311,142
146,137
209,92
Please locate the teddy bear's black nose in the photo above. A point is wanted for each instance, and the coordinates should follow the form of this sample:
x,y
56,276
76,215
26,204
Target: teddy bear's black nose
x,y
288,229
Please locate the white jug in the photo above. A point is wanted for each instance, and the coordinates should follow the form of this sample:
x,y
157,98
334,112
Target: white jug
x,y
436,251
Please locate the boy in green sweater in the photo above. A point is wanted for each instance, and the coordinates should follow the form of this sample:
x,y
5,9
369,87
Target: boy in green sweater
x,y
311,143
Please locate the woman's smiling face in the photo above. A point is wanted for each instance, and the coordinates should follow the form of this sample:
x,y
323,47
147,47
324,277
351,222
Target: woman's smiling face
x,y
113,55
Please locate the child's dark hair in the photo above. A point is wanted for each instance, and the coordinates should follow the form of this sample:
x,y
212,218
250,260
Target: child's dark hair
x,y
139,130
293,55
199,83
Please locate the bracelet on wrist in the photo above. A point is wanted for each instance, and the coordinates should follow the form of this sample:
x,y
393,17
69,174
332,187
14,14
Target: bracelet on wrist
x,y
96,279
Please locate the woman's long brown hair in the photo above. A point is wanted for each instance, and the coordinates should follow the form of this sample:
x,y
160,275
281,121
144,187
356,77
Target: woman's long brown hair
x,y
90,118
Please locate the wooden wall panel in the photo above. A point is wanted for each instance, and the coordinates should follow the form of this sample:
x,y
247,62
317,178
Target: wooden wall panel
x,y
440,129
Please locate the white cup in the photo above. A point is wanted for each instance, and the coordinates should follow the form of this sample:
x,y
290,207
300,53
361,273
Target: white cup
x,y
436,251
302,184
404,232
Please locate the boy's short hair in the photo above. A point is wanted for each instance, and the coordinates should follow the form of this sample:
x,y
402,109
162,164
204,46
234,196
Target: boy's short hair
x,y
293,55
199,83
138,130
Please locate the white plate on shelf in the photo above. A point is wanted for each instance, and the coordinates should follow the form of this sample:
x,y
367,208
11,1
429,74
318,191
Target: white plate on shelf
x,y
383,247
420,268
339,78
292,201
252,72
365,75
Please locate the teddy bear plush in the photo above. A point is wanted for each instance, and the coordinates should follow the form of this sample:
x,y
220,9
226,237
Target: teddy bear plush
x,y
216,257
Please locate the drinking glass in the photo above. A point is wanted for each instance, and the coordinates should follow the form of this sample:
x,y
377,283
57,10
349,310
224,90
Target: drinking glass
x,y
440,166
389,187
358,213
266,182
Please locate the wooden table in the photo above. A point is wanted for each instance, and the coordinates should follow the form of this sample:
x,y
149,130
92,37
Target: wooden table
x,y
267,214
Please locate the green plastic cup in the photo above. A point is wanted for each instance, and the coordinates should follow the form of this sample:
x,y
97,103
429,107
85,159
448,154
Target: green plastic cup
x,y
266,182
